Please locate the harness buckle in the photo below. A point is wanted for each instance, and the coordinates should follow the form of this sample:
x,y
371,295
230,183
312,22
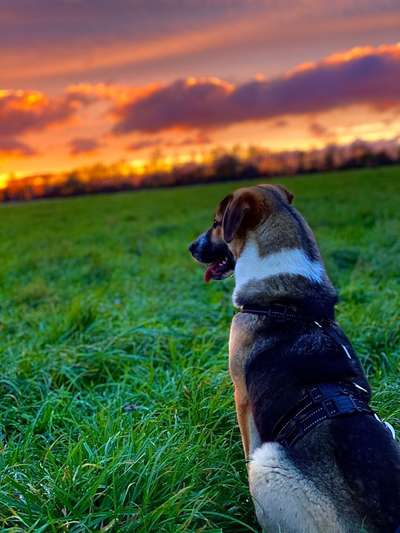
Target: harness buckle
x,y
341,405
315,393
330,407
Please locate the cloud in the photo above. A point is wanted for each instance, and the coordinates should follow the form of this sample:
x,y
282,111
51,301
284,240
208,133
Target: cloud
x,y
117,93
186,104
91,38
322,132
13,147
197,140
124,33
24,111
368,75
318,130
119,49
281,123
200,139
83,145
145,144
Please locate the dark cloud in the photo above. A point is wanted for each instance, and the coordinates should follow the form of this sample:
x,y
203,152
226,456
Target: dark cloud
x,y
318,130
196,140
281,123
83,145
362,76
200,139
15,148
24,111
144,144
182,104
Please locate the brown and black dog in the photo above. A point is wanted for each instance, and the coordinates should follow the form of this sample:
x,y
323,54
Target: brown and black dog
x,y
319,459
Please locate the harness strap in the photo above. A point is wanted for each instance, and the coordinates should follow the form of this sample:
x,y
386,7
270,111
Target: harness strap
x,y
321,402
279,311
283,312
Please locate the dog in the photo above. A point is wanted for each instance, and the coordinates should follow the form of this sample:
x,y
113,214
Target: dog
x,y
319,459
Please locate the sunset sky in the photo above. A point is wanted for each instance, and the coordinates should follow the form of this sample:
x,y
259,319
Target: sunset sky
x,y
104,80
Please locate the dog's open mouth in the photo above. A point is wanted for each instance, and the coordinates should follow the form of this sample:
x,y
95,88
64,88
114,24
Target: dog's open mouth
x,y
220,269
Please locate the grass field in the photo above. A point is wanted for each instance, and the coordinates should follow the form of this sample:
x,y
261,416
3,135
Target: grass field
x,y
116,407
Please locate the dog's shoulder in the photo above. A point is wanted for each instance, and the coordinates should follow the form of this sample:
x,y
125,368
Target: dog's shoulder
x,y
241,342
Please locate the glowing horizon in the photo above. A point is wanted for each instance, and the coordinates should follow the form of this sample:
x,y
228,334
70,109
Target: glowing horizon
x,y
103,89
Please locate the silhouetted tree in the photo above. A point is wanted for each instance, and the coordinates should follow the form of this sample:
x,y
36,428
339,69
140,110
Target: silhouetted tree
x,y
226,167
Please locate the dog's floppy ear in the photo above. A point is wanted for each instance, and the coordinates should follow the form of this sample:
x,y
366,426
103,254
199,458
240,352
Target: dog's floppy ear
x,y
223,205
234,216
287,194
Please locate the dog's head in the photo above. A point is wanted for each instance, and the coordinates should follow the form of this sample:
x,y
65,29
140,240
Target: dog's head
x,y
237,214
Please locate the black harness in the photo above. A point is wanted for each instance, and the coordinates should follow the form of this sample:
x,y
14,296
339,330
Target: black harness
x,y
321,401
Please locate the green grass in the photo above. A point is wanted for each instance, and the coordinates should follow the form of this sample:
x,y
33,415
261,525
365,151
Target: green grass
x,y
116,407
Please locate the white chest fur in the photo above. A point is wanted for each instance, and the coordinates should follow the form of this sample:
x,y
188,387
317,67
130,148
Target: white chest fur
x,y
251,267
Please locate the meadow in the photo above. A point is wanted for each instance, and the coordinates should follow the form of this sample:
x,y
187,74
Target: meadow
x,y
116,408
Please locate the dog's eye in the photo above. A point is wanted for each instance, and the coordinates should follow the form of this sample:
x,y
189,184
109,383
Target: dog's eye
x,y
216,224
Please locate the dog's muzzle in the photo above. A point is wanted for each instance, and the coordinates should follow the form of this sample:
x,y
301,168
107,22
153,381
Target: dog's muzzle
x,y
217,256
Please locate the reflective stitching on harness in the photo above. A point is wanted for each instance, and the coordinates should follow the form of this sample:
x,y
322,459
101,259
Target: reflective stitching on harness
x,y
301,410
314,423
346,351
328,400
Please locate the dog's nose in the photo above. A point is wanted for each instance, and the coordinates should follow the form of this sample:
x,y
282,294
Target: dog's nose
x,y
192,247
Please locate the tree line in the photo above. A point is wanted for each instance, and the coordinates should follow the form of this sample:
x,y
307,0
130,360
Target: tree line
x,y
220,165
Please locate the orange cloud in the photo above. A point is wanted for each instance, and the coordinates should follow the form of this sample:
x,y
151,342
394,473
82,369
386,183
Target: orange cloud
x,y
117,93
348,56
363,51
14,148
367,76
83,145
24,111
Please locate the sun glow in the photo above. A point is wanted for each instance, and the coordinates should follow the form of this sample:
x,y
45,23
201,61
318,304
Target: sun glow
x,y
4,178
33,98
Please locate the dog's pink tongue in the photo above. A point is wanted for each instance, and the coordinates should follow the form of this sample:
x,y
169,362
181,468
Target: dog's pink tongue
x,y
208,274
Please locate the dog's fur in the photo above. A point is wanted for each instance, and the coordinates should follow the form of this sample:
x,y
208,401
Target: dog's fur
x,y
344,475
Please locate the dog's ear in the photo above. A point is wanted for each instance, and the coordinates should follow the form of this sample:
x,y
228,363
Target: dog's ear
x,y
286,193
235,213
223,205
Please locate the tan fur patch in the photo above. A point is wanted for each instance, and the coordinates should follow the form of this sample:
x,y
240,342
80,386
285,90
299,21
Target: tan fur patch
x,y
240,343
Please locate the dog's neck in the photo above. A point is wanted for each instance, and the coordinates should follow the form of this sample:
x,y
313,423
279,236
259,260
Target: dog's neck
x,y
287,273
